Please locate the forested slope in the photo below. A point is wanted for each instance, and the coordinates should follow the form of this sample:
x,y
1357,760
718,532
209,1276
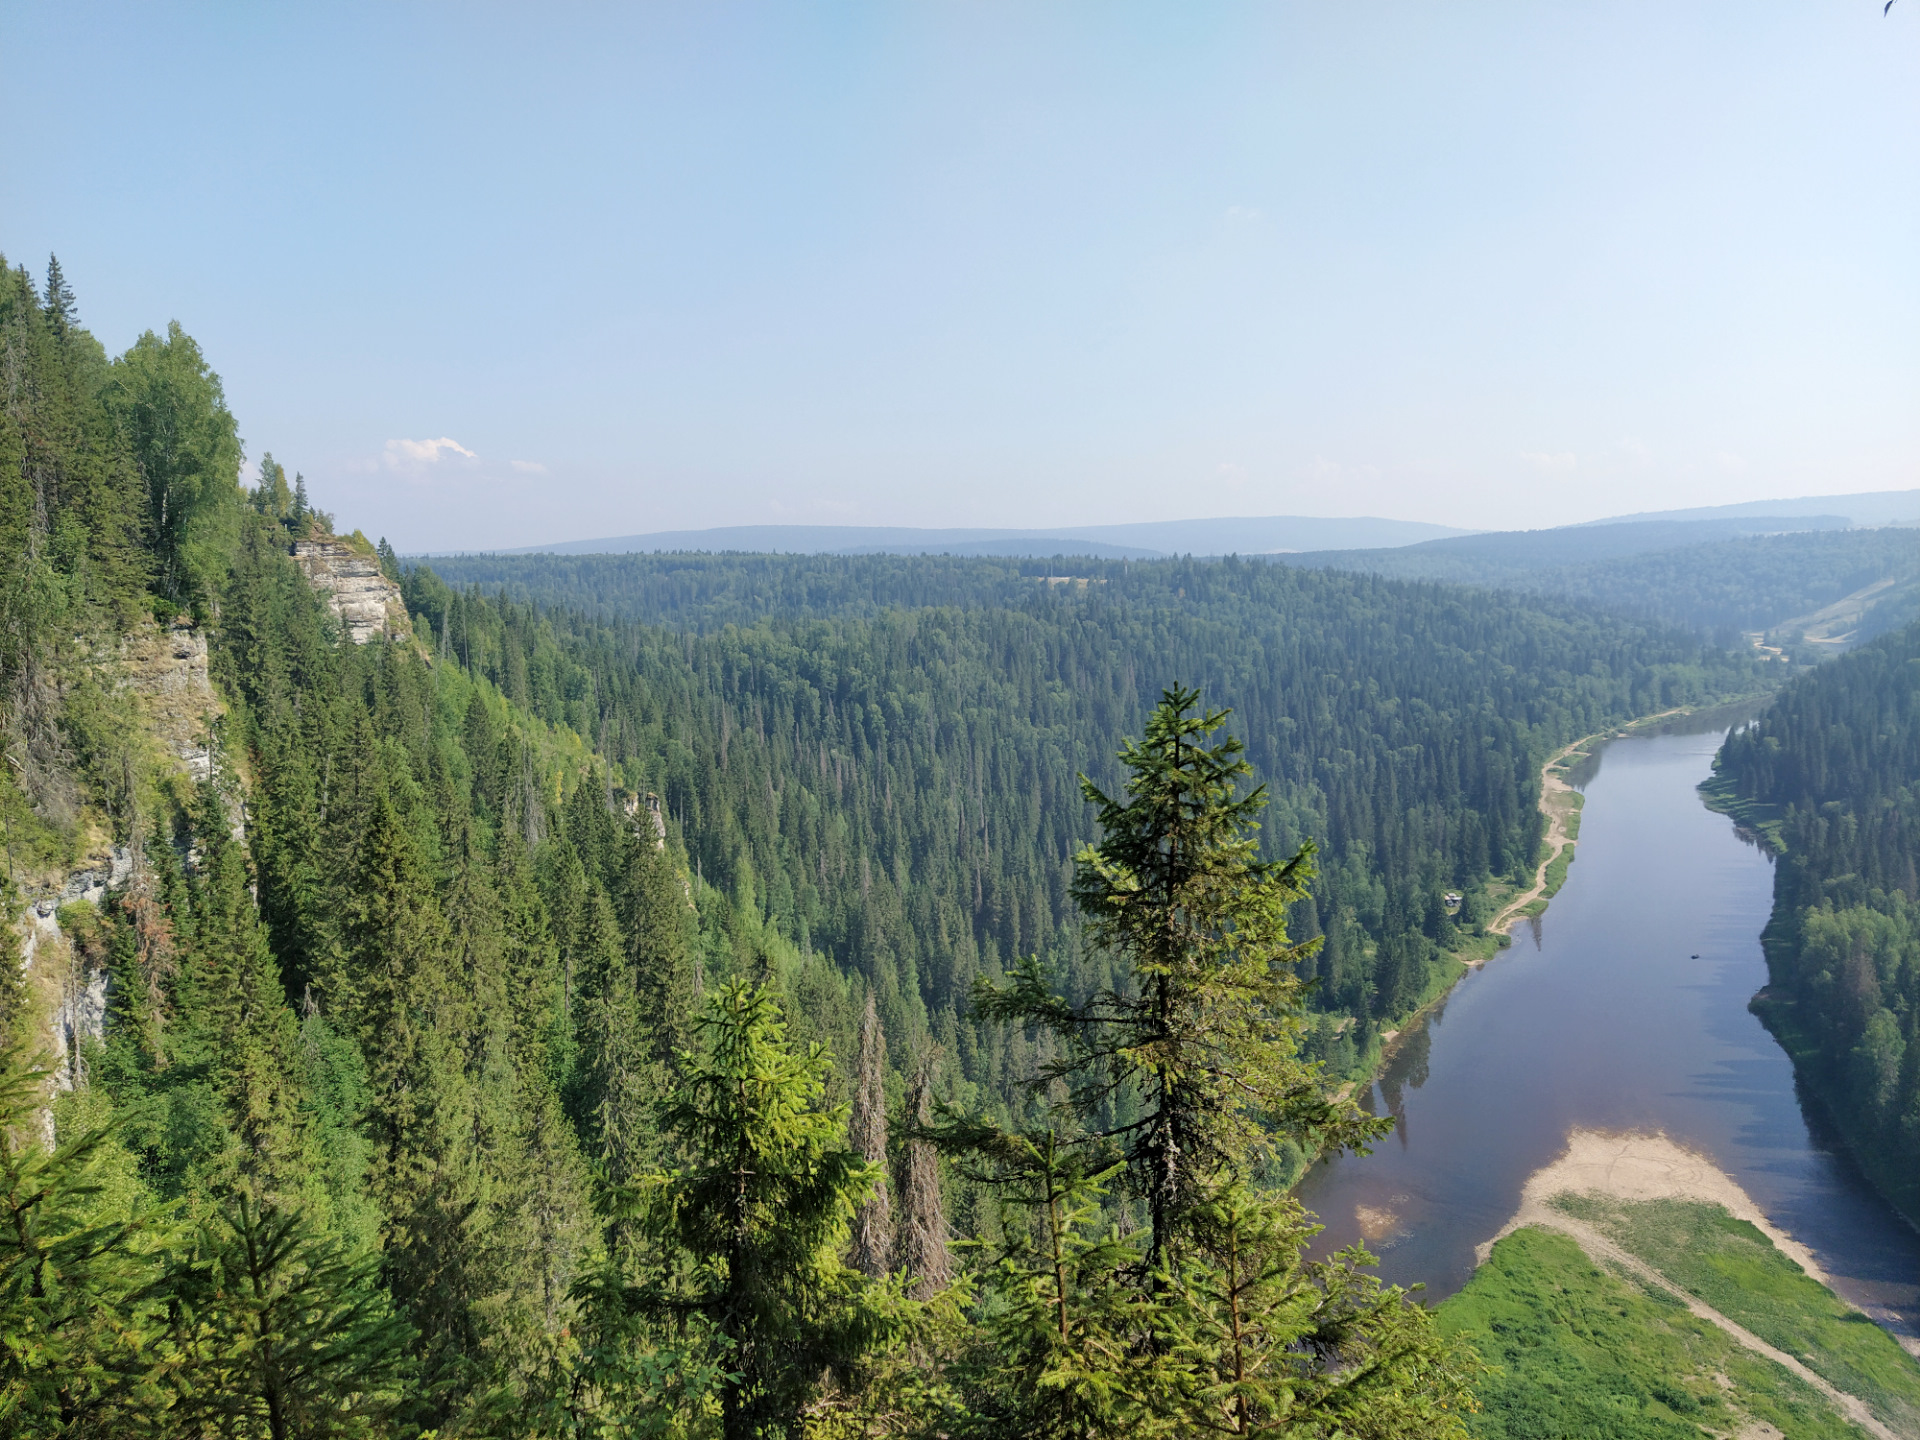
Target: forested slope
x,y
896,786
1833,771
1715,584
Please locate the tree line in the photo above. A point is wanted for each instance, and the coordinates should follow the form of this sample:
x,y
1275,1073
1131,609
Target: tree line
x,y
893,784
1832,769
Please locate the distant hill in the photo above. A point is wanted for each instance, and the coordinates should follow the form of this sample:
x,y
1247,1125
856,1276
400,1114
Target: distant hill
x,y
1874,507
1832,587
1497,556
1243,535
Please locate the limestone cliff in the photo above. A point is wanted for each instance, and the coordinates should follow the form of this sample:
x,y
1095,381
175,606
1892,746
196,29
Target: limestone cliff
x,y
357,589
175,709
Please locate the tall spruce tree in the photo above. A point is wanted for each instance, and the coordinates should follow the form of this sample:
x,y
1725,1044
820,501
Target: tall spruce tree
x,y
282,1332
252,1037
760,1213
1219,1325
62,310
1201,1035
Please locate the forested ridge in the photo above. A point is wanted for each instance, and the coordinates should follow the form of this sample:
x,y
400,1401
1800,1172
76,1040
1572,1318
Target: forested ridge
x,y
1675,573
1715,579
1832,770
895,784
438,1090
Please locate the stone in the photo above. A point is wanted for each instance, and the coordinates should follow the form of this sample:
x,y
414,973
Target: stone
x,y
357,589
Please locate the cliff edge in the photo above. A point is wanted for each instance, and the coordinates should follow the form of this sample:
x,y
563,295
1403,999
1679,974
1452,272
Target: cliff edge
x,y
357,589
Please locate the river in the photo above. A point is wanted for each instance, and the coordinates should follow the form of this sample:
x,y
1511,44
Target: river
x,y
1624,1007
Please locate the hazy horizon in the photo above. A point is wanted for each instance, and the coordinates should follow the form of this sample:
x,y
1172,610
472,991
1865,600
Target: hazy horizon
x,y
491,280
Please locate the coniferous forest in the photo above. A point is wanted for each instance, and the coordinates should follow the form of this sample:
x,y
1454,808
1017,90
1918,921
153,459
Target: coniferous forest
x,y
852,998
1830,773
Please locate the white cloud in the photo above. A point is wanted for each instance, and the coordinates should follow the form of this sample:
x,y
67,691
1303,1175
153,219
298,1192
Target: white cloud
x,y
1552,461
414,454
1234,475
528,467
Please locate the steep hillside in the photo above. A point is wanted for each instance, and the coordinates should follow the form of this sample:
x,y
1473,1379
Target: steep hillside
x,y
1831,772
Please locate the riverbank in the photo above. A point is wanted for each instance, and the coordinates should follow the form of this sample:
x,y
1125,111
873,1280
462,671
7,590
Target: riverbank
x,y
1813,1069
1637,1273
1561,804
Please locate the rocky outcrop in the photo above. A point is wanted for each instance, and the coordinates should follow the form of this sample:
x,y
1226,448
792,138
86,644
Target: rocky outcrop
x,y
74,993
168,669
357,589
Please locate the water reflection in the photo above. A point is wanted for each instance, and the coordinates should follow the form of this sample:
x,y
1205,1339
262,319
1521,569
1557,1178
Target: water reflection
x,y
1626,1011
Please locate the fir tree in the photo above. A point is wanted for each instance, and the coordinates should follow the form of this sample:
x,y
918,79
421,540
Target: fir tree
x,y
761,1210
392,981
283,1332
61,310
1202,1036
256,1058
271,497
81,1299
619,1077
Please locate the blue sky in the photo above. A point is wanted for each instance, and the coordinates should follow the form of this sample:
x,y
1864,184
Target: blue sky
x,y
497,275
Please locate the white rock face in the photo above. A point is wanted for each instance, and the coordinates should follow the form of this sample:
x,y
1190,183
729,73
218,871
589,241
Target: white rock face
x,y
367,602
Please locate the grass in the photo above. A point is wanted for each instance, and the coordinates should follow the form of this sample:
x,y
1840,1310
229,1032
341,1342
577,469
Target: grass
x,y
1719,792
1736,1269
1579,1352
1557,870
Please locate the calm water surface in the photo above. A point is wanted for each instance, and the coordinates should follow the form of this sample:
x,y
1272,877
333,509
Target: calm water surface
x,y
1600,1018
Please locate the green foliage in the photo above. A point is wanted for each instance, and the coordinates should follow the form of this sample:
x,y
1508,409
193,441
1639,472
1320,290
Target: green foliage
x,y
1215,1323
173,410
1578,1352
283,1332
1833,761
1197,1041
1734,1267
81,1284
876,753
757,1216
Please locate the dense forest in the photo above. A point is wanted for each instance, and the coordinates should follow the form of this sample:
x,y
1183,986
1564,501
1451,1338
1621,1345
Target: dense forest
x,y
415,1074
1832,770
893,783
1712,577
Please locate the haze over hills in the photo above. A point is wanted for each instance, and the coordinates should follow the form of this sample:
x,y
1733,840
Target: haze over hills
x,y
1497,555
1250,535
1269,535
1874,507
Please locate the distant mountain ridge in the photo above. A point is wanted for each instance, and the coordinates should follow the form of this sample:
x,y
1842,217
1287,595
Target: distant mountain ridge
x,y
1248,535
1871,507
1494,555
1240,534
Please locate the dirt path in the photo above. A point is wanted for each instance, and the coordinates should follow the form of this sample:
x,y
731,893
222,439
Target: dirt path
x,y
1557,811
1652,1167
